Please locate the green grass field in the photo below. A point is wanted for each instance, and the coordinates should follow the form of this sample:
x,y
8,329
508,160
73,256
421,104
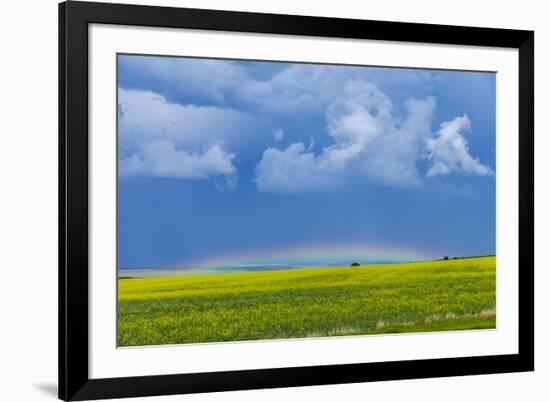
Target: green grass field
x,y
373,299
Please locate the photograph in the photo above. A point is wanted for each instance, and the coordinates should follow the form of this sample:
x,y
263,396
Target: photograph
x,y
271,199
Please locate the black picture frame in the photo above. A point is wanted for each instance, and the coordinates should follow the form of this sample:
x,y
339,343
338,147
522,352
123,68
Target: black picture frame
x,y
74,381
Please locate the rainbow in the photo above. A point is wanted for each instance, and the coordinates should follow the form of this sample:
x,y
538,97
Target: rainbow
x,y
317,254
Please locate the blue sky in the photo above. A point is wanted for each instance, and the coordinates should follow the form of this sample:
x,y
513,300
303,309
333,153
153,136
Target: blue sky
x,y
227,162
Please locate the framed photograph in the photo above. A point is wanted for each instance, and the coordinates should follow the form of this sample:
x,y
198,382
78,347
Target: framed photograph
x,y
257,200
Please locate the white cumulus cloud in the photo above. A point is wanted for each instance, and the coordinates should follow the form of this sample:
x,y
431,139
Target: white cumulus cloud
x,y
369,142
162,139
293,171
449,151
160,158
278,134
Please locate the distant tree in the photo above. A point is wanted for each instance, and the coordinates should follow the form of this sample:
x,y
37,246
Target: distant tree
x,y
355,264
456,258
446,257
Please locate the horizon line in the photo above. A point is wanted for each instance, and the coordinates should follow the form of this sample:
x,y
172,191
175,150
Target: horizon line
x,y
301,264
